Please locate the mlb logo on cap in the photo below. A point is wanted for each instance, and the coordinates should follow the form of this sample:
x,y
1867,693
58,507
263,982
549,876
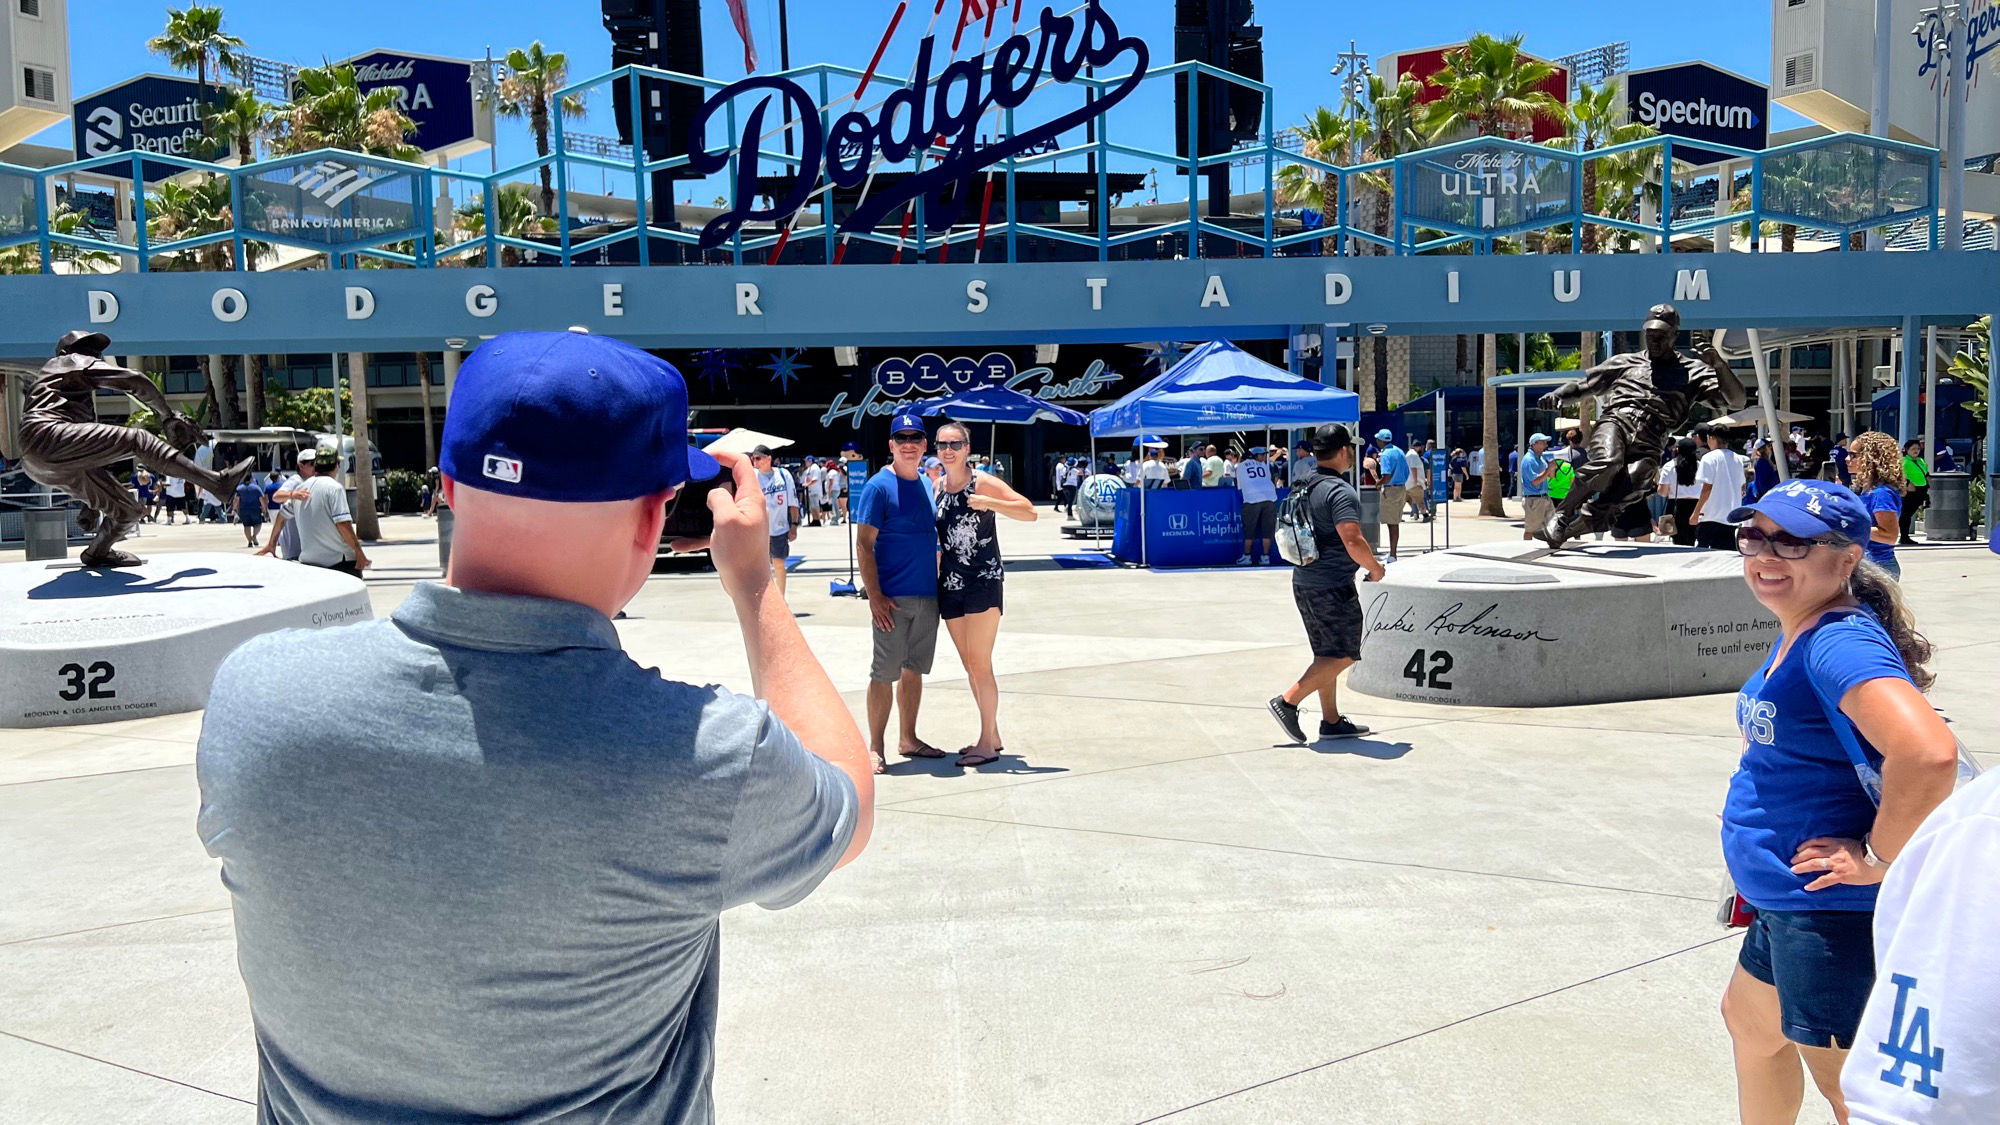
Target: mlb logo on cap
x,y
570,418
503,468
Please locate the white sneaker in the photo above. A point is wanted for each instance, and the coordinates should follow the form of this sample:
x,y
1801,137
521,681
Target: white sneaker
x,y
1244,561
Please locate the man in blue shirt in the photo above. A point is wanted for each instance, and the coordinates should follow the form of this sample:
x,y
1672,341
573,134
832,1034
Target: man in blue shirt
x,y
895,523
1395,470
1536,469
478,869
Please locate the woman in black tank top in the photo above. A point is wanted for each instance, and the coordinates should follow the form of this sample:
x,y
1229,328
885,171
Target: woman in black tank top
x,y
971,575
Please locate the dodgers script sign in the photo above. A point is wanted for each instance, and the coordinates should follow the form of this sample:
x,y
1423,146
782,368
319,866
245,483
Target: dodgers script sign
x,y
937,116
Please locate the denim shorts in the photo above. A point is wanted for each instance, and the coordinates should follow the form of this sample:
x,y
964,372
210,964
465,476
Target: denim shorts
x,y
1822,962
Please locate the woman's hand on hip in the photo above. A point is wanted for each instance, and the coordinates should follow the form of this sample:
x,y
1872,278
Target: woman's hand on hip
x,y
1836,861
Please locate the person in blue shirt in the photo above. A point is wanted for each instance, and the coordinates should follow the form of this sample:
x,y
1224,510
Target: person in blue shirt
x,y
1534,471
895,523
1876,465
1838,456
1393,466
1843,758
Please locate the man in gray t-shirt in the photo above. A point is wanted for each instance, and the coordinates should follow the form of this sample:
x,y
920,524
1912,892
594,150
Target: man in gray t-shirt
x,y
478,869
1324,592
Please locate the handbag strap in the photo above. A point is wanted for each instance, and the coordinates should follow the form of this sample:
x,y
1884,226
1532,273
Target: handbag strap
x,y
1843,727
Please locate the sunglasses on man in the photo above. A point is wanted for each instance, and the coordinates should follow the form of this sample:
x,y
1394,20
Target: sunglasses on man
x,y
907,439
1754,541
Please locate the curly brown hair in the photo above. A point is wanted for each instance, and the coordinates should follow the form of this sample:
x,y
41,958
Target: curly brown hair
x,y
1876,460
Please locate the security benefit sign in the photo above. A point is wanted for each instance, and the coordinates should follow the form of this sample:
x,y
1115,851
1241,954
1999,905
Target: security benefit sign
x,y
1488,189
333,201
1702,103
151,113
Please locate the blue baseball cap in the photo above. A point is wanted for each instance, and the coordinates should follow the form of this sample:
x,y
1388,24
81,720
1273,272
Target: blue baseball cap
x,y
1256,449
907,422
1812,508
1538,437
570,418
1384,435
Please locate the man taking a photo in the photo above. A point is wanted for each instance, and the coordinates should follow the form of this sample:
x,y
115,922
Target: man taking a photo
x,y
478,869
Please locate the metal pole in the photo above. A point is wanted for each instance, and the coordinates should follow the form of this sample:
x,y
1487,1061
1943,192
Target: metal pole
x,y
336,401
1992,436
1763,364
1954,134
1906,401
1878,101
785,63
1930,396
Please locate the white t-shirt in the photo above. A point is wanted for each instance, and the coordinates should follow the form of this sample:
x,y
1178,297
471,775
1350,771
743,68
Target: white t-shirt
x,y
1722,471
1928,1049
810,478
1670,472
781,495
1131,471
320,541
1153,469
176,487
1420,469
1254,478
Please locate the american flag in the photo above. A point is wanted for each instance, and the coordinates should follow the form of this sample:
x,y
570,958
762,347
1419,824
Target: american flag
x,y
972,11
739,14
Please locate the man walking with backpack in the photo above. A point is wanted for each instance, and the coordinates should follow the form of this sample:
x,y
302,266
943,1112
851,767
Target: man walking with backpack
x,y
1323,513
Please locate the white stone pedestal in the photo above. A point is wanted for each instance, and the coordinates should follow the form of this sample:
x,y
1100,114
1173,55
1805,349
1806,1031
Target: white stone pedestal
x,y
90,646
1496,626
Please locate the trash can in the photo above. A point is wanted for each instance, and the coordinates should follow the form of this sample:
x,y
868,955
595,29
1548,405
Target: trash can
x,y
46,533
1371,516
1949,518
444,537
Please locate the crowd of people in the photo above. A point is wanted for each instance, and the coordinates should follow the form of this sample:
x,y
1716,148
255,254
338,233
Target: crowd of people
x,y
502,698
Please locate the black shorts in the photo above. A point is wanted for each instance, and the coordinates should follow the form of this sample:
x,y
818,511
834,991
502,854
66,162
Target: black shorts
x,y
1260,520
1632,521
1332,617
974,597
1715,535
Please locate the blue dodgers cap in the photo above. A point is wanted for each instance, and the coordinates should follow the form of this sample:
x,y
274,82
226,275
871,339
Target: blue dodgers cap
x,y
1255,449
1812,508
570,418
905,422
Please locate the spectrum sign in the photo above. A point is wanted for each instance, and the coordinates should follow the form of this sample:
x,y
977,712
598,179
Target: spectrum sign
x,y
1702,103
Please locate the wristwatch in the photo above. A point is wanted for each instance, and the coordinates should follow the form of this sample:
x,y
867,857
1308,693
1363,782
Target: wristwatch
x,y
1868,851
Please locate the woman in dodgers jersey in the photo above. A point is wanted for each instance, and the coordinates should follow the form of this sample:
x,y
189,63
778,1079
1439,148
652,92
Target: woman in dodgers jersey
x,y
1807,832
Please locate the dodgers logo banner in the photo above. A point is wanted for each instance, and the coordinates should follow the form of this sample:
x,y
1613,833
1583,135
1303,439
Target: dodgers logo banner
x,y
936,117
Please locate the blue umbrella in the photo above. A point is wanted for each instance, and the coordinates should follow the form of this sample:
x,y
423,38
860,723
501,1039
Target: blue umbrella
x,y
1001,404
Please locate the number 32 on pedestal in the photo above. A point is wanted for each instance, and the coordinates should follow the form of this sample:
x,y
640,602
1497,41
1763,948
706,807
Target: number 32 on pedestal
x,y
79,681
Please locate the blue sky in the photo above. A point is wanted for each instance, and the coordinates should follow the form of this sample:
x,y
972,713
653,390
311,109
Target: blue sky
x,y
1301,39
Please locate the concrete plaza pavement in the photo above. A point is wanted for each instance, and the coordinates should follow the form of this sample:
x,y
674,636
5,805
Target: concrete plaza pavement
x,y
1148,911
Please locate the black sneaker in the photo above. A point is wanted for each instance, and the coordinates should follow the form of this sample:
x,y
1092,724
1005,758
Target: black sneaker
x,y
1345,728
1288,718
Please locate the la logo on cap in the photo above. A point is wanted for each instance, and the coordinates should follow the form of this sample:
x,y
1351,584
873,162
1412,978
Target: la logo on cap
x,y
503,468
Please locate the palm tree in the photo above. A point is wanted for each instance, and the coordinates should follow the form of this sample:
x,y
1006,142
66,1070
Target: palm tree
x,y
1335,138
182,209
330,111
529,90
194,40
514,208
27,258
1490,88
1596,118
238,122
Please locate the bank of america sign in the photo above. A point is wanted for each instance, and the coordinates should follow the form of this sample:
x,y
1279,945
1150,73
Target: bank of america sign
x,y
333,201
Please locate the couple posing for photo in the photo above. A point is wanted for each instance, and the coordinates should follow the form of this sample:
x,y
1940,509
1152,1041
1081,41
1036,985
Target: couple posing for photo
x,y
930,553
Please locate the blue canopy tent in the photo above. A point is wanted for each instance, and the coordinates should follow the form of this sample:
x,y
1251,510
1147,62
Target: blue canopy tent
x,y
1001,406
1219,386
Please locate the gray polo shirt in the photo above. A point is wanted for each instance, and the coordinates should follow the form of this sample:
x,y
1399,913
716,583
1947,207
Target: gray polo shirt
x,y
477,856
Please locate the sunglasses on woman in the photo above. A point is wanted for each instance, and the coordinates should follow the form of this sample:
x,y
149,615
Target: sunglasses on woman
x,y
1753,541
959,444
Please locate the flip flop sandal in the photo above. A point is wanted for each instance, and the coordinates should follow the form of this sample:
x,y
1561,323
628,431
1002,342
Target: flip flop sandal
x,y
972,760
923,750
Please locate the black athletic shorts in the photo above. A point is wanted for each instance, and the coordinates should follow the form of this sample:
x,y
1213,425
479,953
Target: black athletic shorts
x,y
1332,617
1715,535
1633,521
